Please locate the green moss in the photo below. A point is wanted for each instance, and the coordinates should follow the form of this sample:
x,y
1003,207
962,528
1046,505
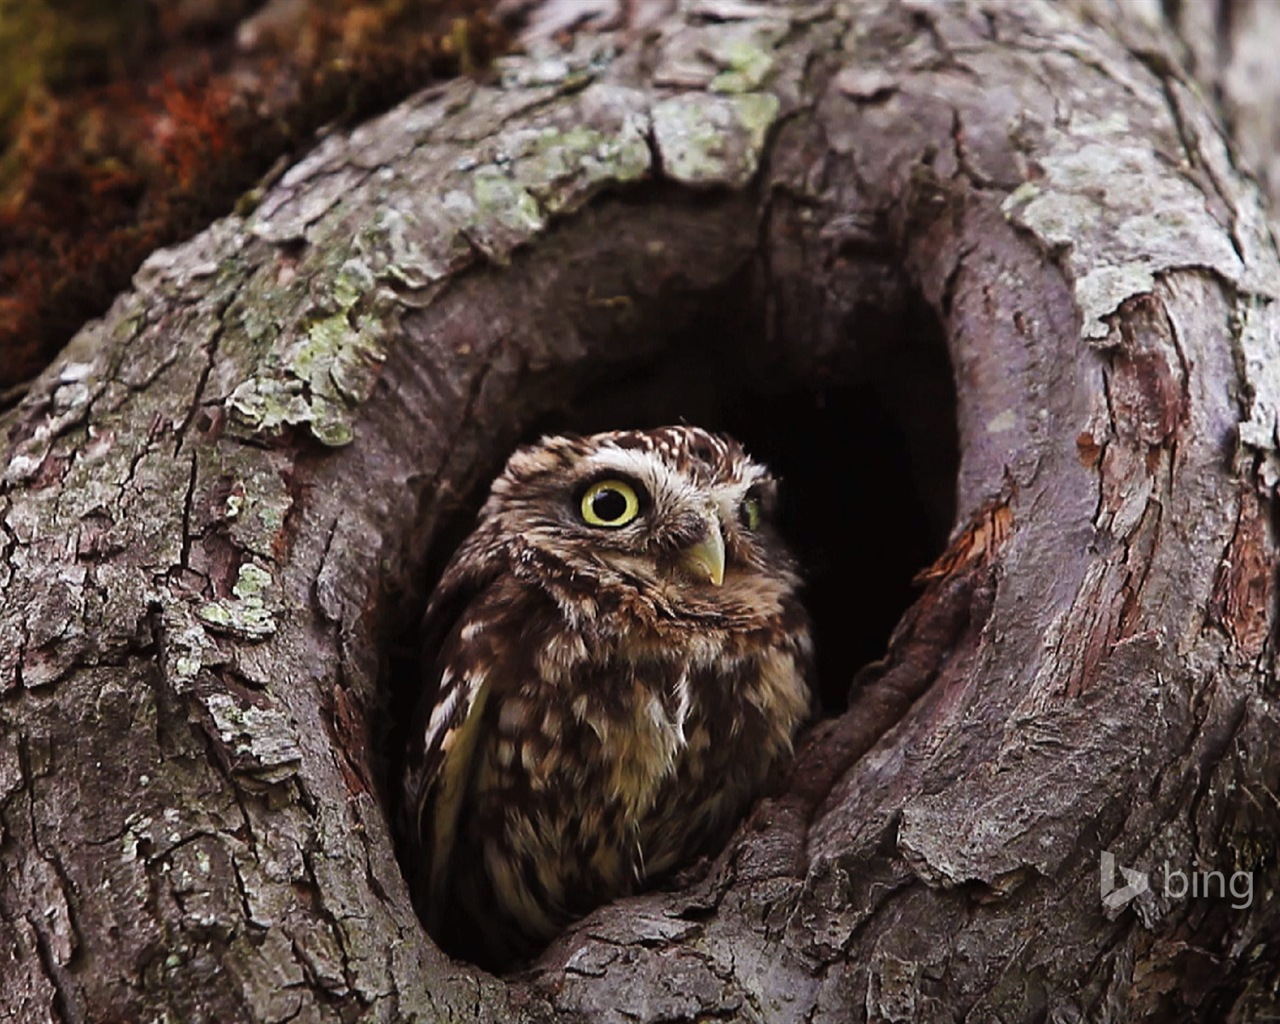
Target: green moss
x,y
756,113
564,168
746,65
248,616
265,404
713,139
500,199
317,379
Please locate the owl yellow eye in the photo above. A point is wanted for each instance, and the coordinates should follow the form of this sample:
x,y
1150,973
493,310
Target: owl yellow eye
x,y
610,503
749,513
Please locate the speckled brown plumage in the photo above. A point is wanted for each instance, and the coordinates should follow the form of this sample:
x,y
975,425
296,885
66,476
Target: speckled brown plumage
x,y
610,681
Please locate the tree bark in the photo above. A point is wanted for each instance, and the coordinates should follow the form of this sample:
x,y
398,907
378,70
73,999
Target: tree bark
x,y
223,503
1228,46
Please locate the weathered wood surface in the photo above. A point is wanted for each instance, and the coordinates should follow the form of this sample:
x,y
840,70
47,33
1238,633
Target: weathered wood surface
x,y
217,505
1229,45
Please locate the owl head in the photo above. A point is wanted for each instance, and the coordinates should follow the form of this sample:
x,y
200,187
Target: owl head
x,y
678,514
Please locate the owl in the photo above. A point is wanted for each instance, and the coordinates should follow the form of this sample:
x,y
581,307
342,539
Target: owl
x,y
616,660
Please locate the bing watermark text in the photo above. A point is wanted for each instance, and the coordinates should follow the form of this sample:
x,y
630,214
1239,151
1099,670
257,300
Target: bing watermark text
x,y
1121,884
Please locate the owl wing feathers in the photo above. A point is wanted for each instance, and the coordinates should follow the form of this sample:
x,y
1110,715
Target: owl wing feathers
x,y
444,735
475,565
450,748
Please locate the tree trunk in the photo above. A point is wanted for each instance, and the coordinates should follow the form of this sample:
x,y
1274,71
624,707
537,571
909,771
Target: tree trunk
x,y
1229,45
223,505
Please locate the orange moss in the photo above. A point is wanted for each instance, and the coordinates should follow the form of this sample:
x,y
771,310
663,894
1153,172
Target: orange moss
x,y
97,176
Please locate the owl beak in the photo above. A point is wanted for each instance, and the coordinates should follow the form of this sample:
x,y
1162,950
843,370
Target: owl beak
x,y
705,560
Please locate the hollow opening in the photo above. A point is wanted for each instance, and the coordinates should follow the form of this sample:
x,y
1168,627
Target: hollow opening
x,y
862,434
864,443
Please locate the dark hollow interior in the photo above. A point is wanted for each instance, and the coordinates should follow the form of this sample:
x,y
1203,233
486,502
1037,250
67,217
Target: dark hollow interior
x,y
864,443
863,438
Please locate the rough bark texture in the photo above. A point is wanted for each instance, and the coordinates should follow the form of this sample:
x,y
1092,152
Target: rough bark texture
x,y
218,505
1230,48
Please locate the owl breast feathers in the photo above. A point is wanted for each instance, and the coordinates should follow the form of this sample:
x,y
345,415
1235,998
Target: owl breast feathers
x,y
616,660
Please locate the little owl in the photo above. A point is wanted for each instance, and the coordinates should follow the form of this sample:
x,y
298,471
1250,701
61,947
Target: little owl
x,y
616,661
